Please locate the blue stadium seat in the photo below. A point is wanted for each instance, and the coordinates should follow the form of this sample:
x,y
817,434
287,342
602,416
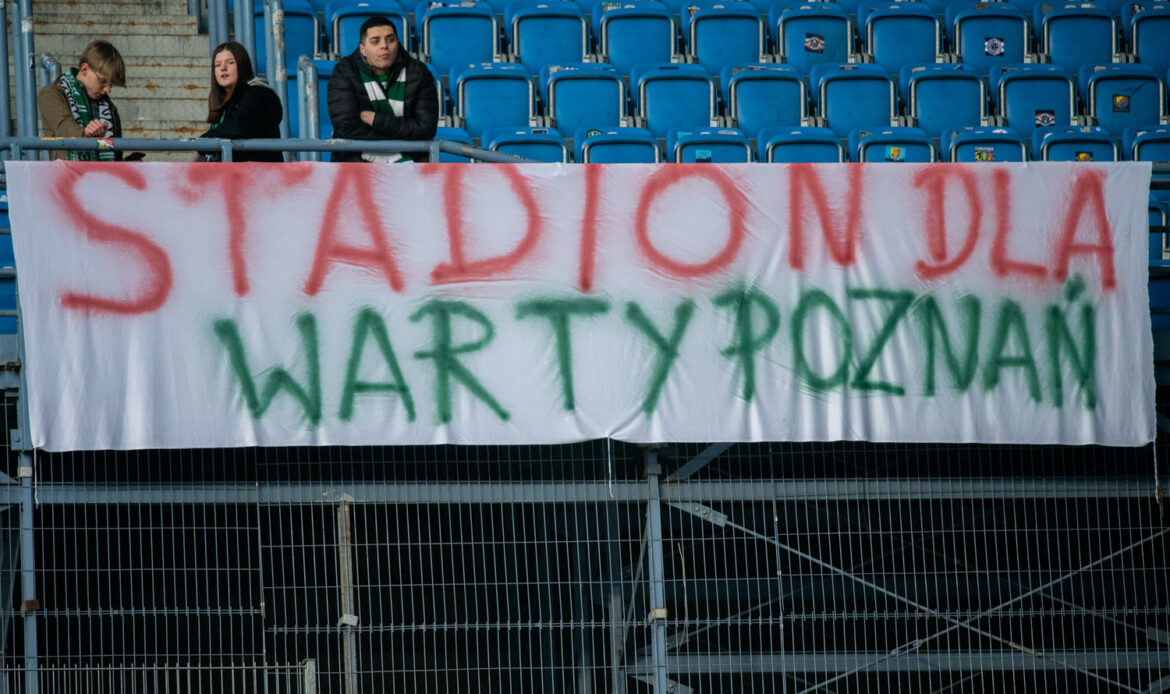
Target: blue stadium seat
x,y
1076,34
984,145
708,145
724,32
892,145
1119,96
1074,143
456,33
1149,34
617,146
763,95
634,33
324,72
454,135
789,145
853,96
301,35
493,94
583,95
814,34
1033,96
546,32
987,34
1147,143
344,20
442,91
942,96
541,144
672,96
902,33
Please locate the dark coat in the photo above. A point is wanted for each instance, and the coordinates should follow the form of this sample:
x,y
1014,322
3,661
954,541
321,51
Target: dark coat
x,y
348,98
254,111
57,117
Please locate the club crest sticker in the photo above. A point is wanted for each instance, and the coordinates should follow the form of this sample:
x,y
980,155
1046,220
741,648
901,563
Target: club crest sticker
x,y
814,43
1045,118
993,46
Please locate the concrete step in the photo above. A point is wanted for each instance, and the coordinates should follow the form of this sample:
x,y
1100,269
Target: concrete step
x,y
185,128
86,9
163,88
152,110
133,47
115,26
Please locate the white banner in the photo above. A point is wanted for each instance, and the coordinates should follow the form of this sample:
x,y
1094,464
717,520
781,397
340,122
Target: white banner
x,y
208,305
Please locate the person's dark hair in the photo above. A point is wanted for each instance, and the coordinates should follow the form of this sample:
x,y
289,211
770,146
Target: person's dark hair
x,y
375,22
105,59
218,98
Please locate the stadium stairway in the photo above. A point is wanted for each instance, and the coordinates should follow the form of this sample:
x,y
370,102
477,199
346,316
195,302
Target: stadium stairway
x,y
167,65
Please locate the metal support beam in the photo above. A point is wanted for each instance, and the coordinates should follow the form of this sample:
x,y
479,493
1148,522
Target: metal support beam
x,y
682,493
349,617
959,661
5,93
699,462
28,573
657,575
274,46
244,27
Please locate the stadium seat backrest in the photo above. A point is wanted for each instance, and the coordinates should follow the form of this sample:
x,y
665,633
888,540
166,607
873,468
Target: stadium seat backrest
x,y
634,33
672,96
301,30
454,135
1159,243
854,96
708,145
1033,96
805,144
583,95
902,33
1118,96
617,146
941,96
1073,143
1150,36
986,34
911,145
541,144
984,145
763,95
814,34
546,33
457,33
344,19
1076,34
493,94
721,33
1147,143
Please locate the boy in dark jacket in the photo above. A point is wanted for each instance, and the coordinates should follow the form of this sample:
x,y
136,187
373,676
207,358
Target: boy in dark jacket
x,y
380,92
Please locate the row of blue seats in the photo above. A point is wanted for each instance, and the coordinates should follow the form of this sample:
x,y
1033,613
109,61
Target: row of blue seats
x,y
750,97
714,33
814,144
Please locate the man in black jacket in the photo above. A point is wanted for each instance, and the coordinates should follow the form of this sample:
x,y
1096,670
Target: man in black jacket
x,y
380,92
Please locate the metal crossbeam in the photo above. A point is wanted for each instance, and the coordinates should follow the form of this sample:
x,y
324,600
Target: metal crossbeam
x,y
958,661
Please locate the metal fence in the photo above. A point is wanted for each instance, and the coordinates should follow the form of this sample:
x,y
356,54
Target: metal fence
x,y
593,567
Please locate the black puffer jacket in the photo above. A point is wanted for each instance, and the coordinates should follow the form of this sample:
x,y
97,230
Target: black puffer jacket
x,y
348,98
253,111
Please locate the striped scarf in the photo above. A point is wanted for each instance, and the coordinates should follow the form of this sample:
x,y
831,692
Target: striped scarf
x,y
386,97
79,105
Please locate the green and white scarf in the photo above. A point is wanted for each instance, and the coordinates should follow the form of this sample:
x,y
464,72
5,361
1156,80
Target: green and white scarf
x,y
79,104
386,97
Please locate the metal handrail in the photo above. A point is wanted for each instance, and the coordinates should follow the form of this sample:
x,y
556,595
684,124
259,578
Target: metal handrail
x,y
17,145
48,70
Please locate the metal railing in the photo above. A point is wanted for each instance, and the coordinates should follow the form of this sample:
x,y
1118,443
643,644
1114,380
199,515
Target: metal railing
x,y
17,146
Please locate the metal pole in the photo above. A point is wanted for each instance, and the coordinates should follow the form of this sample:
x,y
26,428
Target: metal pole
x,y
5,92
24,64
658,612
195,9
217,23
28,573
21,75
244,26
310,125
349,617
274,48
48,70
